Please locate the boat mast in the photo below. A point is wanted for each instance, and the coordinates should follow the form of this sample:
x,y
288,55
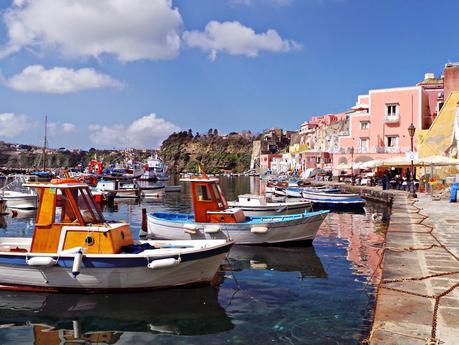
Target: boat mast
x,y
45,143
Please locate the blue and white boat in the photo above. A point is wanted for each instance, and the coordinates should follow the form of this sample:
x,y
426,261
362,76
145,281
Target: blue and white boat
x,y
333,200
213,219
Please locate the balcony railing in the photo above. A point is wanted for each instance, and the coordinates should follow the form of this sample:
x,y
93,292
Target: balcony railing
x,y
394,118
379,149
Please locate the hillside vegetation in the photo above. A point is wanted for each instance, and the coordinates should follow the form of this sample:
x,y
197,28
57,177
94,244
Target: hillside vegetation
x,y
230,153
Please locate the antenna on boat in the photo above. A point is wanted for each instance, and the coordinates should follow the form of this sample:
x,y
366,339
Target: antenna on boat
x,y
45,143
201,170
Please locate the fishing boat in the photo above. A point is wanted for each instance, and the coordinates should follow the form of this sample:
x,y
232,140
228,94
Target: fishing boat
x,y
322,189
213,218
154,170
125,171
333,200
257,205
118,189
17,195
75,249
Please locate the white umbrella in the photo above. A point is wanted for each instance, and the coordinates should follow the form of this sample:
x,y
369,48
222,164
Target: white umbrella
x,y
399,161
371,164
437,160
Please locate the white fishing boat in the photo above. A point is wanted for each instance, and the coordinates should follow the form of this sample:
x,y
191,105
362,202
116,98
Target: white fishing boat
x,y
118,189
154,170
333,200
17,195
74,249
257,205
125,171
213,219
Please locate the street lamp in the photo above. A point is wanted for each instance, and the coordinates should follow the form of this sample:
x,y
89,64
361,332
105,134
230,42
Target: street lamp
x,y
352,166
411,131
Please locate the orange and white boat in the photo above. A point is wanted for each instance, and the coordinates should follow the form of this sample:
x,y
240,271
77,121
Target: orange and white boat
x,y
213,219
75,249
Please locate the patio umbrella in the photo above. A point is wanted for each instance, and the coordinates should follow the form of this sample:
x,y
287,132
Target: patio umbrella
x,y
371,164
437,160
399,161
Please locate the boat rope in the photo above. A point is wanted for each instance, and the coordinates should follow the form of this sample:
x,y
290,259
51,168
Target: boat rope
x,y
383,284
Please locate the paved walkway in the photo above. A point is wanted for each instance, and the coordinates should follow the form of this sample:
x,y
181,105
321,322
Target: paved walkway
x,y
418,296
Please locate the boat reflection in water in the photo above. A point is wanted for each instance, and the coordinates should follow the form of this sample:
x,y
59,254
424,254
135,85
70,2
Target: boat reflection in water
x,y
303,260
109,318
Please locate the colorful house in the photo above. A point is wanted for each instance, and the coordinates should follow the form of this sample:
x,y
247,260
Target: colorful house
x,y
379,121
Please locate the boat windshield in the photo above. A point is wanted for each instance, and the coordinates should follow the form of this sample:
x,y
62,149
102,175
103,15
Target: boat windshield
x,y
15,183
88,209
203,193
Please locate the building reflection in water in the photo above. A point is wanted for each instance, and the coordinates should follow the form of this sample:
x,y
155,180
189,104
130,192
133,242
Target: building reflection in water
x,y
363,234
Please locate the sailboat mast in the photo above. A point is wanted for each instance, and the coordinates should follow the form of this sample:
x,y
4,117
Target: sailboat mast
x,y
45,143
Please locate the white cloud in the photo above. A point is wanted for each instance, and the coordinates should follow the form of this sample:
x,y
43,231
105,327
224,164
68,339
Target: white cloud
x,y
146,132
11,125
36,78
68,127
236,39
129,30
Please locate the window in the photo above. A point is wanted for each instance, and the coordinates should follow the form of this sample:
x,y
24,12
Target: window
x,y
364,125
203,193
392,109
392,141
364,144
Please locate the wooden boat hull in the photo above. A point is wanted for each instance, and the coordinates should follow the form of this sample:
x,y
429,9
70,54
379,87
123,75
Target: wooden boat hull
x,y
269,230
111,272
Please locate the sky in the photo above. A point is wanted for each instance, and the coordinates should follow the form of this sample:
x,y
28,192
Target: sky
x,y
118,73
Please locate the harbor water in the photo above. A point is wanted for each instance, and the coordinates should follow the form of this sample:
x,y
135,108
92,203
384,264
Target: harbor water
x,y
318,294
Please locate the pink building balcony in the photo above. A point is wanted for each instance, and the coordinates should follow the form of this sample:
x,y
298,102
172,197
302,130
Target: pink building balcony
x,y
394,118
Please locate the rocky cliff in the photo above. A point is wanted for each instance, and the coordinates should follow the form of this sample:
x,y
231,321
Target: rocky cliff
x,y
218,153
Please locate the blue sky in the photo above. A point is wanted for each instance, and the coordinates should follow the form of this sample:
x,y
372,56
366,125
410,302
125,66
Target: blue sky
x,y
116,74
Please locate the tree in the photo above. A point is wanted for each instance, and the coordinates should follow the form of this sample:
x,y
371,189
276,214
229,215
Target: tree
x,y
215,131
210,131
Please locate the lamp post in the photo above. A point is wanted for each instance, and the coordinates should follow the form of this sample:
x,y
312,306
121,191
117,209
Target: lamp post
x,y
411,131
352,166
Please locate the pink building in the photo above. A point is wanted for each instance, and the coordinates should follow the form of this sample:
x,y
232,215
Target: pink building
x,y
266,160
313,159
321,121
379,121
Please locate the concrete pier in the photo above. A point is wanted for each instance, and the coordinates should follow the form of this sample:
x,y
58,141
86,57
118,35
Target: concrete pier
x,y
418,295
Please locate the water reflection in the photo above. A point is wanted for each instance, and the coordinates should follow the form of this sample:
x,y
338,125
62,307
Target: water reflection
x,y
193,311
303,260
321,294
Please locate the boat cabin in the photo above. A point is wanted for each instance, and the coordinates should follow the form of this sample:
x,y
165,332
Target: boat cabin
x,y
209,203
68,218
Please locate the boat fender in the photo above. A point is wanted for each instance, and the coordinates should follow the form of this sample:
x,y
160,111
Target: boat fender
x,y
41,261
163,263
212,229
190,228
76,267
259,229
